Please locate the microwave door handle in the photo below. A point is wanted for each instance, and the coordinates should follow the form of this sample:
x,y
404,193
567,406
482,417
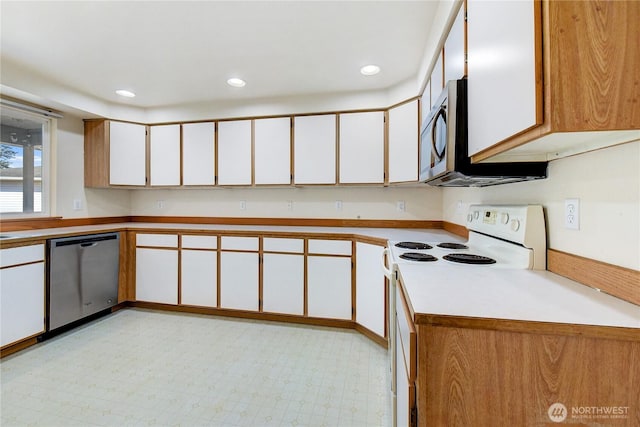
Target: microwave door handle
x,y
439,155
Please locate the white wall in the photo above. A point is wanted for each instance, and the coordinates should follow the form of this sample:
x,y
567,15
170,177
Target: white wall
x,y
69,160
607,182
421,203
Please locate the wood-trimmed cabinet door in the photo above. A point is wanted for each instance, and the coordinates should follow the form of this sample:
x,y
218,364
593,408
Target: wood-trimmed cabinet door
x,y
502,90
329,287
157,268
199,270
234,153
127,154
454,49
403,143
362,148
272,151
315,149
239,273
437,79
164,155
198,154
22,293
283,276
370,288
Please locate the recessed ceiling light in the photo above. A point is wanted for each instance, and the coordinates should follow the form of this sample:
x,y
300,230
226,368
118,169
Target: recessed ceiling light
x,y
370,70
125,93
235,82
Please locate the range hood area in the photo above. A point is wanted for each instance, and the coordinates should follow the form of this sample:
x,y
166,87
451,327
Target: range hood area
x,y
467,174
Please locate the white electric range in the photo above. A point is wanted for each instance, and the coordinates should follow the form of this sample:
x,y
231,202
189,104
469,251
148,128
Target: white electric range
x,y
500,236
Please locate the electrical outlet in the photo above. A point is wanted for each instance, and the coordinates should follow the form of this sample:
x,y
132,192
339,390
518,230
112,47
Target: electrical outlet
x,y
338,205
77,204
243,205
400,207
289,205
160,204
572,214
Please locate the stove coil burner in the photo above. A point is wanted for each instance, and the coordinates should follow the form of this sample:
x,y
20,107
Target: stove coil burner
x,y
416,246
453,246
469,259
416,256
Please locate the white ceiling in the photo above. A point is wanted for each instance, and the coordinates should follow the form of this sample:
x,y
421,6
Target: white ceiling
x,y
179,52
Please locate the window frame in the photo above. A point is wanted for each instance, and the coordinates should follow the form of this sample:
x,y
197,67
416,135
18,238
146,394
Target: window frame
x,y
49,127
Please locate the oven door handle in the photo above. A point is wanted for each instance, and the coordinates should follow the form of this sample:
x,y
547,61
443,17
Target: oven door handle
x,y
385,256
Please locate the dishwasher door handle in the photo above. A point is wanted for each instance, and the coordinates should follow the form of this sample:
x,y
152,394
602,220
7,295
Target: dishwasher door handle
x,y
89,244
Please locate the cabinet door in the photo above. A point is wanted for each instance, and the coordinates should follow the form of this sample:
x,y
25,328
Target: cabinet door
x,y
164,154
502,87
315,149
362,148
198,154
21,302
437,80
454,49
425,102
329,287
283,284
234,153
127,154
198,278
157,275
403,143
239,280
272,151
370,288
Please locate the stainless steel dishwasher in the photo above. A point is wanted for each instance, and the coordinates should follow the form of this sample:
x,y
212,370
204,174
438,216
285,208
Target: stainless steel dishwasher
x,y
82,277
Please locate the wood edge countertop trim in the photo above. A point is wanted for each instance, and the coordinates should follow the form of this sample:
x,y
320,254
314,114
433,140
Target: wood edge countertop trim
x,y
24,224
618,281
529,327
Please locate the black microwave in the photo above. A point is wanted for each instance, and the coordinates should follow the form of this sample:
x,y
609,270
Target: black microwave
x,y
444,157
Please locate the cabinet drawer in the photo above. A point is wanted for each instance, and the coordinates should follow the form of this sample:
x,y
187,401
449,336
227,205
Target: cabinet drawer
x,y
283,245
200,242
330,247
240,243
157,240
21,255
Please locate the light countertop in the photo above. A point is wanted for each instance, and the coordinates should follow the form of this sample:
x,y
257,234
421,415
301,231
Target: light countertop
x,y
527,295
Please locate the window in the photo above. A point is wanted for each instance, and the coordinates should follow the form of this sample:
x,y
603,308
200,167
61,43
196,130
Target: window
x,y
24,163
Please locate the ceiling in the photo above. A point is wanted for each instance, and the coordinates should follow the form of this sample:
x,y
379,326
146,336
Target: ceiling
x,y
182,52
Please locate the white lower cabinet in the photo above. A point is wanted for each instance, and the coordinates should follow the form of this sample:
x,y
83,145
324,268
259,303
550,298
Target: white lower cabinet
x,y
283,283
157,275
239,280
198,278
329,287
370,288
22,299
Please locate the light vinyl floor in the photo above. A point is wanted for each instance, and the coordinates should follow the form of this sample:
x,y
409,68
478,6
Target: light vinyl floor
x,y
143,368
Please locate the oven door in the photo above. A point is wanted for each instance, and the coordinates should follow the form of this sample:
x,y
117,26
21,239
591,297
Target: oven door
x,y
433,139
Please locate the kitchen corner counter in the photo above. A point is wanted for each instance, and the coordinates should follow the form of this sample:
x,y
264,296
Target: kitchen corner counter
x,y
524,300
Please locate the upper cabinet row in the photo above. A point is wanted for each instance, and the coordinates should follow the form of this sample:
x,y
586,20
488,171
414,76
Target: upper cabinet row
x,y
548,79
328,149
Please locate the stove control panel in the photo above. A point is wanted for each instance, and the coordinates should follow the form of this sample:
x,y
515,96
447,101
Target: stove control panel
x,y
523,224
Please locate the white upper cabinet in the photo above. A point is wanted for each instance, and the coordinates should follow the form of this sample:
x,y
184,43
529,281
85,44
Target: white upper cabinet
x,y
234,153
454,49
198,154
362,148
403,143
425,102
437,81
315,149
127,154
502,88
164,159
272,151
